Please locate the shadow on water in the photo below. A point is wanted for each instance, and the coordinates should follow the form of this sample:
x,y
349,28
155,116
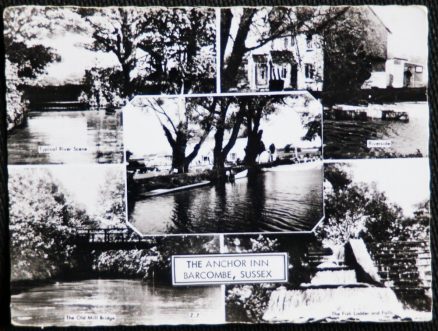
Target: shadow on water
x,y
273,201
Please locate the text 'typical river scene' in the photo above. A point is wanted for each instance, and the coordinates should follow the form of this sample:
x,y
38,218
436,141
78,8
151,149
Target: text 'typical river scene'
x,y
69,136
284,198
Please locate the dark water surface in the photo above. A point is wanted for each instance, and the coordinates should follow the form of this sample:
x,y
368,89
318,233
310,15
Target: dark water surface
x,y
96,135
286,198
348,139
116,302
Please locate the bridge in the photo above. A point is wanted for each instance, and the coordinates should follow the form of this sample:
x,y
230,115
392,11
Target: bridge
x,y
111,239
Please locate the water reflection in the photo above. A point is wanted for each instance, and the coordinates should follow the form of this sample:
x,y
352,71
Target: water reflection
x,y
128,302
283,199
91,136
348,139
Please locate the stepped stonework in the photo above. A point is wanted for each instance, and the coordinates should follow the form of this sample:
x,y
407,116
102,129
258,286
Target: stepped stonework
x,y
405,268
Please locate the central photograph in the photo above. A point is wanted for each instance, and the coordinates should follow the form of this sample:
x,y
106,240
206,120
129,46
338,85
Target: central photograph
x,y
224,164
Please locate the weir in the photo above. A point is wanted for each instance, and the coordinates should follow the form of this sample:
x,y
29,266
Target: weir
x,y
339,290
357,303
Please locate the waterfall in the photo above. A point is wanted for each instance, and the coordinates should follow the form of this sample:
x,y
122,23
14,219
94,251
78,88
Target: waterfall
x,y
331,277
359,303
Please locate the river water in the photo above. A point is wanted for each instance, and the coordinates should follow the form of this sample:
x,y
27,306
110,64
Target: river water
x,y
348,139
116,302
285,198
70,136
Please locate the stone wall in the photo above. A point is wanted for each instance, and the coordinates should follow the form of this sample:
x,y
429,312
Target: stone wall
x,y
406,268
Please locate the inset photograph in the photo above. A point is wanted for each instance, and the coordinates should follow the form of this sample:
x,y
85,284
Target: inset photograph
x,y
69,70
224,164
388,130
368,260
76,262
325,49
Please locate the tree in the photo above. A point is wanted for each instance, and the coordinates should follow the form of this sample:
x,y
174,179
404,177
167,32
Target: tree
x,y
111,207
350,48
348,43
179,45
255,108
115,30
193,120
26,56
42,222
229,118
168,50
355,210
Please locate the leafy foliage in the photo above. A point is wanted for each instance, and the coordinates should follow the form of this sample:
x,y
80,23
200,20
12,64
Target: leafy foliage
x,y
42,222
354,210
168,50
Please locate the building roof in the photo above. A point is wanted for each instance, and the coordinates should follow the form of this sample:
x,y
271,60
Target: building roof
x,y
378,18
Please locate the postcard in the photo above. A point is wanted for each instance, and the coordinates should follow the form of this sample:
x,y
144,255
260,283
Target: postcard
x,y
212,165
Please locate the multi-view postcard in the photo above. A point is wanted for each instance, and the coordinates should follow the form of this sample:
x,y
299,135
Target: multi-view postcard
x,y
201,165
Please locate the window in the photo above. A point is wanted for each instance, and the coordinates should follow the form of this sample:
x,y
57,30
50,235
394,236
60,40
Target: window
x,y
309,71
309,41
283,72
261,74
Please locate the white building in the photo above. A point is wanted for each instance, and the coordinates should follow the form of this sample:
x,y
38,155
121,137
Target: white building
x,y
397,73
288,63
402,73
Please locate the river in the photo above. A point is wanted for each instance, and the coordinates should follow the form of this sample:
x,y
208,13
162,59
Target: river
x,y
286,198
78,137
116,302
348,139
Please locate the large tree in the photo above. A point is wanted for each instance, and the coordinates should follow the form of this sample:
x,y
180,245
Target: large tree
x,y
158,50
229,118
346,39
190,124
115,30
179,46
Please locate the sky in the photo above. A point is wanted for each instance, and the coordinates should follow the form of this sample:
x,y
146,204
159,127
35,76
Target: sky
x,y
143,134
409,27
408,39
83,182
405,181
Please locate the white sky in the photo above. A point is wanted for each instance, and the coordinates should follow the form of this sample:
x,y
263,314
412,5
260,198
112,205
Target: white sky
x,y
144,135
405,181
83,182
408,39
409,28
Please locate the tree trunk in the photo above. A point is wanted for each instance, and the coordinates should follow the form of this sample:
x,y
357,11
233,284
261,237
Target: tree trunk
x,y
254,144
229,77
126,80
218,160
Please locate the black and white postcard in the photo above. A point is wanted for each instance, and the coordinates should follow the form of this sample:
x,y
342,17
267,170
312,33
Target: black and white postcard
x,y
211,165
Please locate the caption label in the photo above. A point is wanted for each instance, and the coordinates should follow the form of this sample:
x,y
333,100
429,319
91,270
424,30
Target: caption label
x,y
61,149
379,143
229,268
